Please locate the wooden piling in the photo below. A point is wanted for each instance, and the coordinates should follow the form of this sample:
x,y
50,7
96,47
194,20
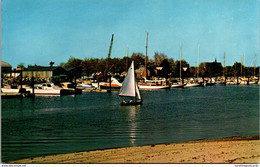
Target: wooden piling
x,y
109,83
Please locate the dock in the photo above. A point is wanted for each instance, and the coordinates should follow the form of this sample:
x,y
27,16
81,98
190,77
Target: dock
x,y
11,95
94,90
15,95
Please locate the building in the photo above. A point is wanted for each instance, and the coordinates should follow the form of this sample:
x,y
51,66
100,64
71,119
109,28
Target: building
x,y
141,72
5,68
43,72
211,69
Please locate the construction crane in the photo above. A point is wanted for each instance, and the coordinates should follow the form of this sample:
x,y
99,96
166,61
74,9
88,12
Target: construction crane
x,y
109,55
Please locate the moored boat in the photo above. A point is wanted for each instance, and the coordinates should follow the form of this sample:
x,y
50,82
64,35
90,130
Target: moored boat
x,y
71,87
192,85
148,86
49,89
177,86
115,84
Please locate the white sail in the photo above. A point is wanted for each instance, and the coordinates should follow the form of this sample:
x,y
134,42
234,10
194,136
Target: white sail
x,y
138,96
129,85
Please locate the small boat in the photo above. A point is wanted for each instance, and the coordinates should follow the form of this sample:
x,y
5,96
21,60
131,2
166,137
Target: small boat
x,y
49,89
192,85
115,84
71,86
83,86
152,84
130,88
151,87
177,86
9,90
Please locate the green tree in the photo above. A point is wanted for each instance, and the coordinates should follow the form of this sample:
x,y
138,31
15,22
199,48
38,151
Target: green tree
x,y
229,71
138,58
176,71
21,65
166,69
73,62
237,69
158,58
213,69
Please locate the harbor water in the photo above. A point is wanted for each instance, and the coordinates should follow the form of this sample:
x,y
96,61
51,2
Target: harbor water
x,y
52,125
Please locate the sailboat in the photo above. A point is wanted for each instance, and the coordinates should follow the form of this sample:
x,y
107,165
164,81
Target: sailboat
x,y
130,88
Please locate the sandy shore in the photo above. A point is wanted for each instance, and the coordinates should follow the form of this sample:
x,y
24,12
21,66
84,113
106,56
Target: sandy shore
x,y
244,149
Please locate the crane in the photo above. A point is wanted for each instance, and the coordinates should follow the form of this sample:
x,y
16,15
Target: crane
x,y
109,55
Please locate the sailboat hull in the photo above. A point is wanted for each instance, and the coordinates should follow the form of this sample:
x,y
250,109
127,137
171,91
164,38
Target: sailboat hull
x,y
128,103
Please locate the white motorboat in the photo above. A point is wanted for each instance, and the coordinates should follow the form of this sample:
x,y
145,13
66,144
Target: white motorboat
x,y
49,89
192,85
147,86
177,86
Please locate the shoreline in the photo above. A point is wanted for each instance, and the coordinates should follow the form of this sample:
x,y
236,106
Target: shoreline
x,y
242,149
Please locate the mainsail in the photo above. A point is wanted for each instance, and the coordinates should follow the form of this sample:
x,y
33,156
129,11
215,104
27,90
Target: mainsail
x,y
129,87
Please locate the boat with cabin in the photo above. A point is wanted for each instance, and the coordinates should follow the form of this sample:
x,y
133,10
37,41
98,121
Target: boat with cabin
x,y
49,89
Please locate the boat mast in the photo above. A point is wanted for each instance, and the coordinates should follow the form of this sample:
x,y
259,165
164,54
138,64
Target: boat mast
x,y
254,65
224,65
241,65
198,61
126,60
145,69
244,66
180,60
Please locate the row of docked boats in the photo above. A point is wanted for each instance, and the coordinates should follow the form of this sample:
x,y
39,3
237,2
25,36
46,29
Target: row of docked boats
x,y
66,88
161,84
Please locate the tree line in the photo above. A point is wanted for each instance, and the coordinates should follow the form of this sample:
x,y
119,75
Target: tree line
x,y
170,68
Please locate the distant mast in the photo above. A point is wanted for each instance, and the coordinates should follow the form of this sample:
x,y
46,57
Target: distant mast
x,y
126,60
241,65
198,61
145,68
180,60
244,65
224,65
254,65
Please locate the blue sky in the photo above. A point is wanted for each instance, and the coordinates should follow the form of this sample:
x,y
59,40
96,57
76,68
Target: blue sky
x,y
37,31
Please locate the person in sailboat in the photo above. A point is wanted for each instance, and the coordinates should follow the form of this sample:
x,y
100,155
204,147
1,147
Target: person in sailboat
x,y
124,101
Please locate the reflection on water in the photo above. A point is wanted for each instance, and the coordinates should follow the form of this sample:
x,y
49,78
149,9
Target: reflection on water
x,y
133,125
91,121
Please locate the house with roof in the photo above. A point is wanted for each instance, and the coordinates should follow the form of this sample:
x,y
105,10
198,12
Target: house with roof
x,y
140,72
211,69
43,72
5,68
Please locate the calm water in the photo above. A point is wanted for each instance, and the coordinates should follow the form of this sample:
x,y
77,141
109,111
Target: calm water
x,y
91,121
